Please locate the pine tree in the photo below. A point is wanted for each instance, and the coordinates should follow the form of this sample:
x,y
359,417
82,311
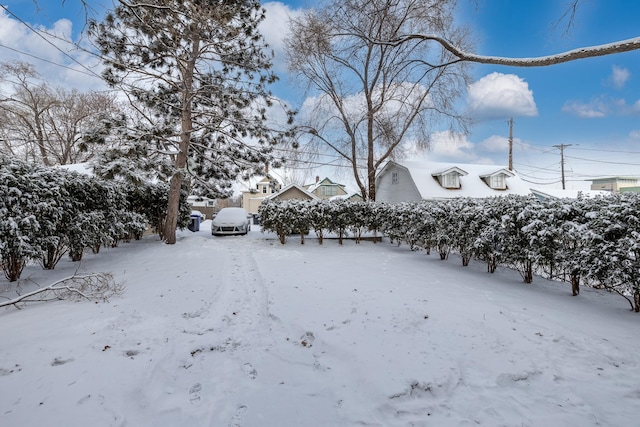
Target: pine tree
x,y
199,72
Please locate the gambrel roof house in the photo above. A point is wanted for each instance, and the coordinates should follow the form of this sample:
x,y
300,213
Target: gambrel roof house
x,y
414,181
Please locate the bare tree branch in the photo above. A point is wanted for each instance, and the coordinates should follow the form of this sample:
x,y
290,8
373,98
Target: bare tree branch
x,y
540,61
94,286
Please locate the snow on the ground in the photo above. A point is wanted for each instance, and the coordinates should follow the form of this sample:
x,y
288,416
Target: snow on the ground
x,y
243,331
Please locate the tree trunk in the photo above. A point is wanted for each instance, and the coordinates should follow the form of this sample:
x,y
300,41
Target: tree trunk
x,y
527,273
575,284
636,300
12,266
173,207
186,126
465,259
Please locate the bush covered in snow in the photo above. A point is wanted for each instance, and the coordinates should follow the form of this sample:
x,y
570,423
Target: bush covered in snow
x,y
46,213
595,241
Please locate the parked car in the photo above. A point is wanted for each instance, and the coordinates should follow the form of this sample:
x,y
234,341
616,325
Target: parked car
x,y
198,213
231,221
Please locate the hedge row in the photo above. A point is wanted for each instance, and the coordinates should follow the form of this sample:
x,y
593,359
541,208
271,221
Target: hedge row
x,y
593,241
46,213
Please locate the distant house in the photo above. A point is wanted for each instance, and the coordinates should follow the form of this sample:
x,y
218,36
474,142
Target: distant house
x,y
205,205
326,189
253,197
414,181
351,197
616,184
293,191
549,194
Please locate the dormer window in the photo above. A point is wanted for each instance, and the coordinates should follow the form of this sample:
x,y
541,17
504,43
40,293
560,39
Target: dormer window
x,y
498,179
498,182
450,178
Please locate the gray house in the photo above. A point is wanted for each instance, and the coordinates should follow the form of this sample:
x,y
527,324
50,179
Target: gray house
x,y
414,181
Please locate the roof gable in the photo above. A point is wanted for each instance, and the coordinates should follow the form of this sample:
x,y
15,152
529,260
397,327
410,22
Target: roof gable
x,y
292,190
323,182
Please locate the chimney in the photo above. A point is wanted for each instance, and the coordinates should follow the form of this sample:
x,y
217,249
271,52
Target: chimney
x,y
317,179
266,168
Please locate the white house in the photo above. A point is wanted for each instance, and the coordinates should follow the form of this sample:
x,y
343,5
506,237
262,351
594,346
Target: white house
x,y
414,181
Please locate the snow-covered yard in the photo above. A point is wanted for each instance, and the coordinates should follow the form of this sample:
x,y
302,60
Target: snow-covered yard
x,y
243,331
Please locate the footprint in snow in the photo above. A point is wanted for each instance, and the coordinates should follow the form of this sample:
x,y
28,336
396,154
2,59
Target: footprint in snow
x,y
250,371
194,393
236,421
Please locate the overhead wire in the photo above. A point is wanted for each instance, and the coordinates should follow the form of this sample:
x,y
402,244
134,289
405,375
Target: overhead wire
x,y
39,34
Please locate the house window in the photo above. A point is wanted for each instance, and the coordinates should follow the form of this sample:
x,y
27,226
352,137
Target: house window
x,y
329,190
498,182
451,180
264,189
395,178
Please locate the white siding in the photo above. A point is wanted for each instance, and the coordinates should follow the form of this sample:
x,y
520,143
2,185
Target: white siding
x,y
404,190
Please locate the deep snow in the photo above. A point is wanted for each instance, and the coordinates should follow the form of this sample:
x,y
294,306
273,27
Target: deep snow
x,y
243,331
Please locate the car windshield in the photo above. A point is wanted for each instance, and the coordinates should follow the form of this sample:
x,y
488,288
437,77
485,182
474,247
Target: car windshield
x,y
231,214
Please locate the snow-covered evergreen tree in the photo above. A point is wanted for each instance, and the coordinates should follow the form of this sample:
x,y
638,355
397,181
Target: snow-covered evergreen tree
x,y
199,74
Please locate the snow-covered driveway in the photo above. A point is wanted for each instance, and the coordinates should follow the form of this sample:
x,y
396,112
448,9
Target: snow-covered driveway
x,y
243,331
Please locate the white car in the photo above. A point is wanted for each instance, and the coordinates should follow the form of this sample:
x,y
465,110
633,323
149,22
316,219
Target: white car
x,y
230,221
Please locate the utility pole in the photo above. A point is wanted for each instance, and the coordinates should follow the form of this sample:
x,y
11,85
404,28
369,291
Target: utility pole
x,y
562,147
511,144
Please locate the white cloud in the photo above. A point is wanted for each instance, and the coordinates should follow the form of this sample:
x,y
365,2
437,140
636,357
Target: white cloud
x,y
54,57
275,28
634,134
597,108
619,76
499,95
451,145
495,143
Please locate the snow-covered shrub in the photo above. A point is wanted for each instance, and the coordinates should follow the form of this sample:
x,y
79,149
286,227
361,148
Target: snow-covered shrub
x,y
277,216
614,247
19,226
47,212
320,218
486,246
467,222
520,248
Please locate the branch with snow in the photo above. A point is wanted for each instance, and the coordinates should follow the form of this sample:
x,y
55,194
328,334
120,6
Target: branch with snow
x,y
540,61
92,287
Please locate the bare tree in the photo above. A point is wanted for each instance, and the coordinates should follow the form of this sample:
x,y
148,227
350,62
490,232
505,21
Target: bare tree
x,y
26,108
376,99
52,126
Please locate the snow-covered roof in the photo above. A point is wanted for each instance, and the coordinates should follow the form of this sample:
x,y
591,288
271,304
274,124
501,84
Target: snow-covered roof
x,y
613,177
347,196
471,182
288,188
325,182
549,193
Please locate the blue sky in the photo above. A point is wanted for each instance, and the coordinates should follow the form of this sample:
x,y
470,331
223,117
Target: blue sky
x,y
592,104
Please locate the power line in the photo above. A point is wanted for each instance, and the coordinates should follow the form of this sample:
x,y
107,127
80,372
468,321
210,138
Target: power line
x,y
39,34
603,161
45,60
